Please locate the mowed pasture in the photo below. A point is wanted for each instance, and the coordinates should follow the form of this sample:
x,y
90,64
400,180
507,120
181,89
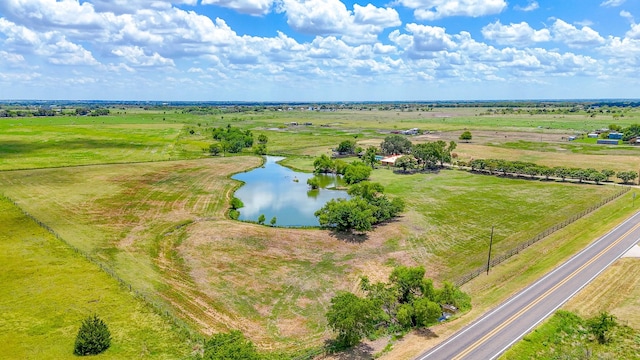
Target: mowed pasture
x,y
617,291
48,289
162,225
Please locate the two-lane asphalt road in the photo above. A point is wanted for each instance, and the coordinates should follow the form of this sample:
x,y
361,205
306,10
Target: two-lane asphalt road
x,y
497,330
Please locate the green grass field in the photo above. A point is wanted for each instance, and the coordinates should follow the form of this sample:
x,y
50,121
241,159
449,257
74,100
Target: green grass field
x,y
150,204
451,213
153,223
48,289
564,336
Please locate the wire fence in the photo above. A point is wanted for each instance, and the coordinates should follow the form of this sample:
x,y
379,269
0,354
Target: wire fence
x,y
158,307
165,311
500,258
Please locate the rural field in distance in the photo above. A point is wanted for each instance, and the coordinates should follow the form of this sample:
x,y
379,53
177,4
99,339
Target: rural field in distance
x,y
137,194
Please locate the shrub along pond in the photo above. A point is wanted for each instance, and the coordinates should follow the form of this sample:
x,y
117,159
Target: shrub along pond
x,y
274,190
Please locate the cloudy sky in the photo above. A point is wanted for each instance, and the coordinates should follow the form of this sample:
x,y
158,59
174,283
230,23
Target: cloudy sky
x,y
319,50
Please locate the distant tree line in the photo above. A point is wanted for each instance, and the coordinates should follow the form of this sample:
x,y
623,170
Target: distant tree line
x,y
532,170
40,112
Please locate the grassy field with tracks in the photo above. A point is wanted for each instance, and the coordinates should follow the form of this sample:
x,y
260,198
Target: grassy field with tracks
x,y
150,204
48,289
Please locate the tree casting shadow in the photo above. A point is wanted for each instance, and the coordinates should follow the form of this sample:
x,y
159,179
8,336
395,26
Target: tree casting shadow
x,y
358,352
349,237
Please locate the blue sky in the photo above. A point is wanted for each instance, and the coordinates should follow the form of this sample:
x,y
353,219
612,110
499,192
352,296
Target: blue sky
x,y
319,50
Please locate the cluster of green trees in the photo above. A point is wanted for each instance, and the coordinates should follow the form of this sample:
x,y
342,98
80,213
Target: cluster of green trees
x,y
429,155
261,147
408,300
235,205
520,168
630,132
366,207
347,147
99,112
262,219
353,172
231,139
396,144
84,111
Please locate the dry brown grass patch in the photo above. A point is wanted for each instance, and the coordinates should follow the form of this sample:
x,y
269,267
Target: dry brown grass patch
x,y
616,290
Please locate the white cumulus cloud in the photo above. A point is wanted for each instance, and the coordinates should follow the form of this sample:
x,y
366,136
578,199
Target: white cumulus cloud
x,y
53,46
423,41
136,56
372,15
251,7
574,37
131,6
437,9
331,17
515,34
634,32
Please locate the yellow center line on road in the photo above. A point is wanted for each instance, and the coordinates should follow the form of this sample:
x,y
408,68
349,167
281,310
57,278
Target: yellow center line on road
x,y
506,323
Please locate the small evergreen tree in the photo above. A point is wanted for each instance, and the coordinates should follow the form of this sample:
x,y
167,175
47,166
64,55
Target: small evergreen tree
x,y
93,337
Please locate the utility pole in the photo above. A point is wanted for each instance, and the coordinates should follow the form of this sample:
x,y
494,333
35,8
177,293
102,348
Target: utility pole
x,y
490,244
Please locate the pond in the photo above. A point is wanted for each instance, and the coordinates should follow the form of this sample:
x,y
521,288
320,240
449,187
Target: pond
x,y
274,190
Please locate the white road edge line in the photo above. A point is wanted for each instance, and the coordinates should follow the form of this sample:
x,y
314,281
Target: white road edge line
x,y
562,302
524,291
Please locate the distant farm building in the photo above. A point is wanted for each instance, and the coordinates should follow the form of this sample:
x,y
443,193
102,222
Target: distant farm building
x,y
390,160
592,135
607,142
413,131
615,135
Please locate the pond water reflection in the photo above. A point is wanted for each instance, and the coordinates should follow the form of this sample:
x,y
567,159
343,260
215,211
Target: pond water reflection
x,y
274,190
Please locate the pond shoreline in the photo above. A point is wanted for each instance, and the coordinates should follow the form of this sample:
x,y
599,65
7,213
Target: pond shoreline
x,y
278,193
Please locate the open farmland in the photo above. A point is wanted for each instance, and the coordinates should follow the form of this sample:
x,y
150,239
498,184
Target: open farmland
x,y
162,225
48,289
